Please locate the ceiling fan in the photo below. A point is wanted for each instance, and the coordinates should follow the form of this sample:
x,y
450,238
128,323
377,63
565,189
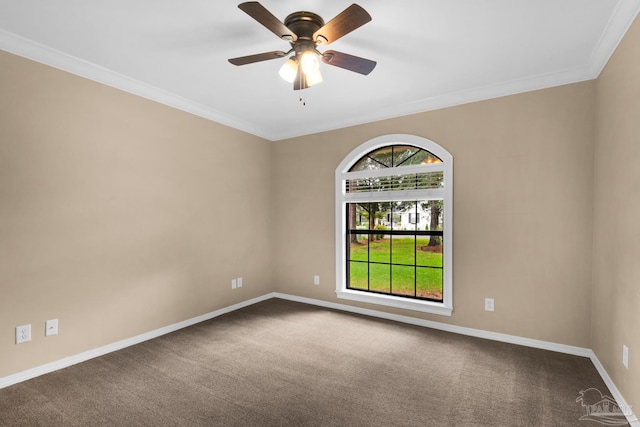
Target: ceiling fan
x,y
305,31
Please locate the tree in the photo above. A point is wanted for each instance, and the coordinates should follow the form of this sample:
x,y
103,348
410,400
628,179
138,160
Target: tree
x,y
352,222
435,212
369,210
373,211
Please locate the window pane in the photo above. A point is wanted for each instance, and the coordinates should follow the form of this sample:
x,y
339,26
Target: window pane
x,y
429,282
352,221
382,155
399,155
431,253
380,249
358,275
408,215
403,280
396,215
359,215
402,154
357,242
395,182
422,157
383,216
430,180
433,210
428,255
403,250
365,164
363,220
368,185
380,277
358,250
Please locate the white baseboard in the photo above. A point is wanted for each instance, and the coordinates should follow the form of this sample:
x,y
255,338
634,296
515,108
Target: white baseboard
x,y
615,393
512,339
528,342
96,352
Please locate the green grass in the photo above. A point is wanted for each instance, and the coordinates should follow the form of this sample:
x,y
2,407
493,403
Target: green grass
x,y
392,278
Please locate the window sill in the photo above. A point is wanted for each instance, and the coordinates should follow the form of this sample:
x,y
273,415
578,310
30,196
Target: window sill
x,y
397,302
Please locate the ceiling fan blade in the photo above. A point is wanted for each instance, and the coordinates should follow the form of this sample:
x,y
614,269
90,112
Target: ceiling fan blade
x,y
301,80
348,62
266,18
346,21
250,59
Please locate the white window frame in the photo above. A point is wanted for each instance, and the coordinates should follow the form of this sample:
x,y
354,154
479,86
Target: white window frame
x,y
342,198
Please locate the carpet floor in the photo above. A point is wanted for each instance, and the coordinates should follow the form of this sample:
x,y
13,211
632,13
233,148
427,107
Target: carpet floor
x,y
282,363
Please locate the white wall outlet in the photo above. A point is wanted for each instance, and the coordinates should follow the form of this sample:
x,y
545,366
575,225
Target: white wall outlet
x,y
234,284
51,327
316,280
625,356
23,333
239,282
489,304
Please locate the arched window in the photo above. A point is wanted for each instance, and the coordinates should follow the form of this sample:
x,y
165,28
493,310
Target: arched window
x,y
394,198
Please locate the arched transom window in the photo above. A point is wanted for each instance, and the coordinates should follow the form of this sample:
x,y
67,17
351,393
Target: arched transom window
x,y
393,224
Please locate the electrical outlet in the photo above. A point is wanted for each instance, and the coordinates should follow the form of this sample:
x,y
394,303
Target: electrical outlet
x,y
316,280
51,327
239,282
234,284
23,333
625,356
488,304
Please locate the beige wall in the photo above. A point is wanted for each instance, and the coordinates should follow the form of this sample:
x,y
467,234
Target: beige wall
x,y
616,254
523,175
119,215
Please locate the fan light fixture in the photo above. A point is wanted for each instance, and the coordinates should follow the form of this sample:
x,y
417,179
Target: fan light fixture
x,y
311,68
313,78
309,62
304,31
307,66
289,70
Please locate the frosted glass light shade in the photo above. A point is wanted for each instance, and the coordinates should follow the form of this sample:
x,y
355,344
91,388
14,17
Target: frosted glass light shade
x,y
313,78
289,70
309,62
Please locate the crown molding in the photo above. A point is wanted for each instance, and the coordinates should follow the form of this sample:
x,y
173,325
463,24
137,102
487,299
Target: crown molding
x,y
46,55
452,99
623,16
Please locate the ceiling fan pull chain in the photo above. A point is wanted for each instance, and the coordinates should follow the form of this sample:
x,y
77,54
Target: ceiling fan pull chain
x,y
302,82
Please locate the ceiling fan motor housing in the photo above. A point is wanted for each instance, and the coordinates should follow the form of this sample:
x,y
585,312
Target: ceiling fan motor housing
x,y
304,24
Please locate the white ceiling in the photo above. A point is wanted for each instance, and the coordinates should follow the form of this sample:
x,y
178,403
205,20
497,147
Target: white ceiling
x,y
430,54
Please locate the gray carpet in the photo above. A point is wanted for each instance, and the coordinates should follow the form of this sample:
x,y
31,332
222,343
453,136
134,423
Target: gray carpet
x,y
281,363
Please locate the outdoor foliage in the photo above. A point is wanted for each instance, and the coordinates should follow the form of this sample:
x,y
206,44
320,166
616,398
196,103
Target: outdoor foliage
x,y
391,267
